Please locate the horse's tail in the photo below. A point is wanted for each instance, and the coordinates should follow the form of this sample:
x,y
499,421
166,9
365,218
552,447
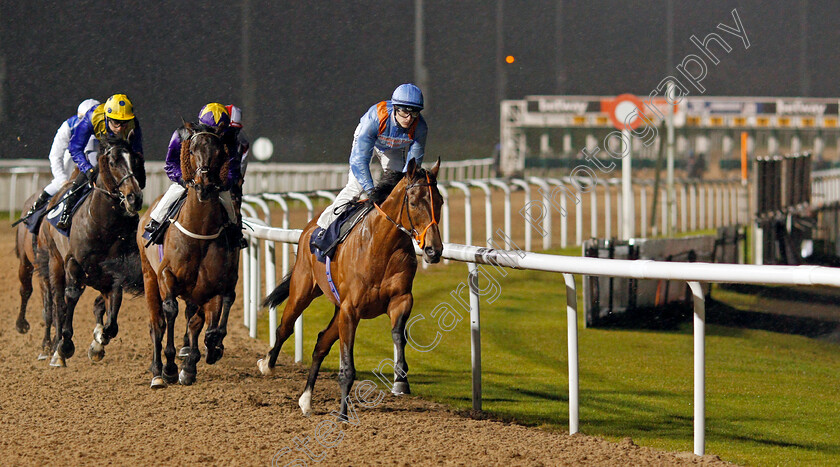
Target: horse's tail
x,y
126,271
280,293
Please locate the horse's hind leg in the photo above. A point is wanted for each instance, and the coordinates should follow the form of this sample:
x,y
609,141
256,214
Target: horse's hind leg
x,y
194,325
48,314
399,310
189,311
214,338
302,291
326,339
25,275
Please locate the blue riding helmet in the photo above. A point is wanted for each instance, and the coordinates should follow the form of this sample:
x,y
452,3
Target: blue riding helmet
x,y
408,95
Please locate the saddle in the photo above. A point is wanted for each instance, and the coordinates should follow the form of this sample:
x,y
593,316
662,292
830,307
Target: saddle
x,y
323,242
156,237
55,213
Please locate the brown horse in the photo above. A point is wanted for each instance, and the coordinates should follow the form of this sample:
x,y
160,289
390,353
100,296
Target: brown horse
x,y
373,271
25,250
198,260
99,251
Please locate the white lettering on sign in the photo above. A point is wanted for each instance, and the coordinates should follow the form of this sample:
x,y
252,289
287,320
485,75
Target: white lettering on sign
x,y
799,107
561,105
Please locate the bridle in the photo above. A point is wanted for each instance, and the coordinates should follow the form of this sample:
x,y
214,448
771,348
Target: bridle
x,y
200,170
116,194
413,233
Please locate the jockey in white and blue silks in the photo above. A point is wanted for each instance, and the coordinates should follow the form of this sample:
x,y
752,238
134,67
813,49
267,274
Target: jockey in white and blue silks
x,y
395,132
114,117
61,164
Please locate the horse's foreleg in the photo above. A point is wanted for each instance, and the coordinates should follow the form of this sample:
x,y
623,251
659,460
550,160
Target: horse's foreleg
x,y
73,289
399,310
189,311
25,276
64,348
326,339
214,338
170,311
157,322
188,370
347,373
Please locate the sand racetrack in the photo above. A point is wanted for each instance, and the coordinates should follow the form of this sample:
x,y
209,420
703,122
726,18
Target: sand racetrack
x,y
105,413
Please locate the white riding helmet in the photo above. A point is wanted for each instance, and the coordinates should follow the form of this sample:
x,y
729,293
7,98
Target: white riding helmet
x,y
86,105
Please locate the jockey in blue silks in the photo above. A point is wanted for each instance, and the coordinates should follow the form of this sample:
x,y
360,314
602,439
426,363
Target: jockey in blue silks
x,y
395,132
115,117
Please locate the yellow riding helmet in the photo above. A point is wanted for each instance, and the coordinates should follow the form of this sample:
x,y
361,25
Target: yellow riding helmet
x,y
118,107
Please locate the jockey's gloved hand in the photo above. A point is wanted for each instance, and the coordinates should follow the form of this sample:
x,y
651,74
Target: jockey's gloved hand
x,y
91,174
368,195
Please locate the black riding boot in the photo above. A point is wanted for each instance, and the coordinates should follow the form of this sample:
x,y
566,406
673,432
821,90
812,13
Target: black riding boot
x,y
42,201
72,199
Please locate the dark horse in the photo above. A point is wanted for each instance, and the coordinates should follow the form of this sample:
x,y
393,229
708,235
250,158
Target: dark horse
x,y
99,251
373,271
197,262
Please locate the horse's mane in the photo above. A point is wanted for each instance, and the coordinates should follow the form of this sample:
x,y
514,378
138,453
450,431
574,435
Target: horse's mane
x,y
386,185
227,138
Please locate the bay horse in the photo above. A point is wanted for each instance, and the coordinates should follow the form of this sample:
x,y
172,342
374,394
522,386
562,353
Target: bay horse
x,y
99,251
197,261
25,250
373,272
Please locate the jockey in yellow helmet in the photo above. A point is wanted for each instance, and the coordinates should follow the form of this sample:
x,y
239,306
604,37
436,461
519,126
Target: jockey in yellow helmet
x,y
116,117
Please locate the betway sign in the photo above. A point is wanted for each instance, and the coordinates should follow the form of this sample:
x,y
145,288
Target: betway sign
x,y
550,105
799,108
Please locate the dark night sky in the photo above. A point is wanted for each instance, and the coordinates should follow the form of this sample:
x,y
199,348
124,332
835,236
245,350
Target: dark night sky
x,y
316,66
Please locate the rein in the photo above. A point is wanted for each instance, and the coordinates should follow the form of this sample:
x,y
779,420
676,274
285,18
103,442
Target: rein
x,y
115,195
413,233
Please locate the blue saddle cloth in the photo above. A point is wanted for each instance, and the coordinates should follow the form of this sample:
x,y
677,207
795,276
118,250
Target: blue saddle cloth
x,y
323,242
34,221
55,213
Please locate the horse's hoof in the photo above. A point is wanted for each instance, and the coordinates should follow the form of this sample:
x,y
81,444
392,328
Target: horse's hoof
x,y
158,383
96,351
67,348
43,356
57,361
305,403
186,379
22,326
183,353
400,388
215,354
262,364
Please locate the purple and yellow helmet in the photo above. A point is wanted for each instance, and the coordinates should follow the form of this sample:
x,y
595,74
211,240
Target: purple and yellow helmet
x,y
214,114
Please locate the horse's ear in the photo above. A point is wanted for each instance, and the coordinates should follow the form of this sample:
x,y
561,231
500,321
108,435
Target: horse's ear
x,y
411,168
130,136
436,168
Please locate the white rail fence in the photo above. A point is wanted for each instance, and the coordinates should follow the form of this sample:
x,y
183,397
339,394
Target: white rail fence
x,y
21,178
695,274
